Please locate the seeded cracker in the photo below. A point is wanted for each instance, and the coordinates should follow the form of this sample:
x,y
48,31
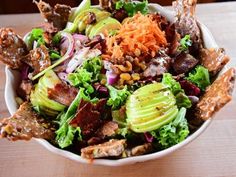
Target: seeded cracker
x,y
25,124
214,60
216,95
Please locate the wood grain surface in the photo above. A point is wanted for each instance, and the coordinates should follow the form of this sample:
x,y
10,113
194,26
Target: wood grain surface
x,y
213,154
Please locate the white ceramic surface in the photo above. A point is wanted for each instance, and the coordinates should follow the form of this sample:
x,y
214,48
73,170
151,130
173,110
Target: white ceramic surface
x,y
12,80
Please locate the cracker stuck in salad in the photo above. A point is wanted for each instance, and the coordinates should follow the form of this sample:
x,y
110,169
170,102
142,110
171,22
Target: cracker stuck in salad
x,y
113,81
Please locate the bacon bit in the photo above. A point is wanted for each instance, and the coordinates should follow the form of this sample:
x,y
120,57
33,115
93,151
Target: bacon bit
x,y
62,93
139,34
88,117
91,19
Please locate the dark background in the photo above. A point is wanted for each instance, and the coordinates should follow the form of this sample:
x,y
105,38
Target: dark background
x,y
27,6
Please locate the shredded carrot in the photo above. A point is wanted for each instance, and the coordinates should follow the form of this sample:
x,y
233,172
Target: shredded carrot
x,y
139,34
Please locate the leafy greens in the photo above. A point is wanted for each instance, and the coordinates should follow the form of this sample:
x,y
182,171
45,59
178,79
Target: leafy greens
x,y
54,54
185,43
200,77
87,74
117,97
36,35
133,7
181,99
174,132
66,133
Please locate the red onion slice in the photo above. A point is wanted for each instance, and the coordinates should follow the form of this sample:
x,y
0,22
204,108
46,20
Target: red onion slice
x,y
77,59
80,37
63,76
111,77
149,138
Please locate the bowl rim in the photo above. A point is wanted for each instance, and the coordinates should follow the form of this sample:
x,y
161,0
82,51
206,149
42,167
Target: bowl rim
x,y
12,107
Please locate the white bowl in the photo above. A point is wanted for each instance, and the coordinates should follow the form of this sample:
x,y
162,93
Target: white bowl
x,y
12,81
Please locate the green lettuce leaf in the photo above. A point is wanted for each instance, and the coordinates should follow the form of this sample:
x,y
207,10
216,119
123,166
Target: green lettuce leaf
x,y
133,7
181,99
123,131
82,78
54,54
185,43
94,66
200,77
35,35
66,133
174,132
87,74
117,97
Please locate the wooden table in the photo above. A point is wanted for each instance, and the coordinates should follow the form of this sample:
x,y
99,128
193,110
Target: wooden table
x,y
212,154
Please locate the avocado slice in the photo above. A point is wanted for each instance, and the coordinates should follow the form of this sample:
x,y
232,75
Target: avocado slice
x,y
150,107
39,96
99,16
84,5
72,27
105,24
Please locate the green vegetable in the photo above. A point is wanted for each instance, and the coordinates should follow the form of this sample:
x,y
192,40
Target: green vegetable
x,y
112,32
54,54
87,74
169,81
123,131
150,107
181,99
133,7
72,27
200,77
39,96
185,43
174,132
84,5
94,66
117,97
63,58
107,24
35,35
119,116
66,133
82,78
56,38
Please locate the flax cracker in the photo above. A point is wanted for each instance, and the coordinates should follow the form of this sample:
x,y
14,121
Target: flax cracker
x,y
214,60
216,95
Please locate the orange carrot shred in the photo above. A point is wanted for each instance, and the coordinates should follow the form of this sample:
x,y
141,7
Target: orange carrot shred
x,y
139,32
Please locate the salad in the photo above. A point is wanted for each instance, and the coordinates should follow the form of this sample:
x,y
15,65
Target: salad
x,y
113,81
